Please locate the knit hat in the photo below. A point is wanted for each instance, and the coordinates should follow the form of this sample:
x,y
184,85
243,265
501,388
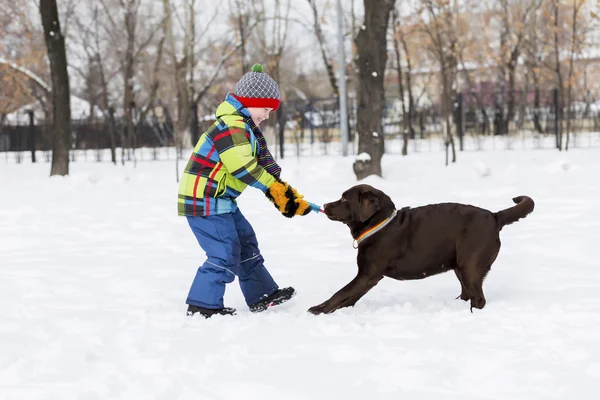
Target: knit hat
x,y
257,89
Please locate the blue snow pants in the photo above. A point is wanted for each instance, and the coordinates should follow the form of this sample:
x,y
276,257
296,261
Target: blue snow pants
x,y
232,250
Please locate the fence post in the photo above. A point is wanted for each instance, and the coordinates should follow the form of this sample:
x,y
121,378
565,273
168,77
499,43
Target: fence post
x,y
282,120
350,118
302,117
195,124
310,121
32,137
557,117
459,120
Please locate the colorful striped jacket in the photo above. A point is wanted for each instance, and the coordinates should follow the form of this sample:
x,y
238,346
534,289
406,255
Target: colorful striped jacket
x,y
223,163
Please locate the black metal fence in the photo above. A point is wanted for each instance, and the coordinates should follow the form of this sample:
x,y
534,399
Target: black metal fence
x,y
503,119
316,122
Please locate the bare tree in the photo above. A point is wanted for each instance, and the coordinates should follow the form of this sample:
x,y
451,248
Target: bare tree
x,y
61,104
439,27
469,78
409,84
24,74
558,69
514,19
195,47
272,46
108,109
372,58
124,29
573,50
243,24
325,53
534,58
399,39
95,72
181,64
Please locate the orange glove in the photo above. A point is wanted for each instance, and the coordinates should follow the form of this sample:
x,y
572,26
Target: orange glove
x,y
287,199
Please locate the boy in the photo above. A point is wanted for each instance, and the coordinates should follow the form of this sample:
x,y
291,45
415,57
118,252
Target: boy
x,y
228,157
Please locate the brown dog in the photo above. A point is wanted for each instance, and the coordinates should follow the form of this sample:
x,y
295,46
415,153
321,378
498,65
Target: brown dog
x,y
414,243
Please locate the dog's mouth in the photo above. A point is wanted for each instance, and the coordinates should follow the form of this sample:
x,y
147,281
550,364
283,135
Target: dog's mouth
x,y
335,218
332,216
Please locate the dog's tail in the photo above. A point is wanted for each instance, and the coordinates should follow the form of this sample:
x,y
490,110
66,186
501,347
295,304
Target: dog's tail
x,y
524,206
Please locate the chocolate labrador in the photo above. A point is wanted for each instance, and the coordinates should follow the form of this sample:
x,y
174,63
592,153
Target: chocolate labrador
x,y
414,243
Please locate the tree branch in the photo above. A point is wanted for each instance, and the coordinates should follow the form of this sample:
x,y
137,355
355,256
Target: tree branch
x,y
29,74
217,69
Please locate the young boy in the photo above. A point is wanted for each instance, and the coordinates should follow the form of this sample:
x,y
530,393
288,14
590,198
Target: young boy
x,y
228,157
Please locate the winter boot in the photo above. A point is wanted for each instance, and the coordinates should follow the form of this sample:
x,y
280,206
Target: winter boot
x,y
209,312
278,297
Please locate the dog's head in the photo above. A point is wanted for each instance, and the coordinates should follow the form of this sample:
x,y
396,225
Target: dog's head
x,y
358,205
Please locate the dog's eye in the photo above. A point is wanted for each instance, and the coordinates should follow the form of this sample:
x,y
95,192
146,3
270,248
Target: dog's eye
x,y
343,199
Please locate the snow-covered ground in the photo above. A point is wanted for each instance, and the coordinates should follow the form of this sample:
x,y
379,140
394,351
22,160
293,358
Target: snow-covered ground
x,y
95,269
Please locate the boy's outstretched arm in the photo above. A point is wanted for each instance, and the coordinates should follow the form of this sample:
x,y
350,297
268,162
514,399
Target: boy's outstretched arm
x,y
235,152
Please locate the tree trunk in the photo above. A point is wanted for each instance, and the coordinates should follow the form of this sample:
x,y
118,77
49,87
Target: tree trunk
x,y
109,111
509,57
61,105
242,22
444,48
326,58
409,87
32,135
128,72
512,101
372,57
574,43
143,111
181,68
398,32
447,104
111,134
533,63
559,76
536,104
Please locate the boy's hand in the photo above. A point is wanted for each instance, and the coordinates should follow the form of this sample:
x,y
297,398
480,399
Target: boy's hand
x,y
313,207
287,199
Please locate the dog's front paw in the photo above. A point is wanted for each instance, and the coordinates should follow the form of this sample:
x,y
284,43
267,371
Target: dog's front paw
x,y
316,310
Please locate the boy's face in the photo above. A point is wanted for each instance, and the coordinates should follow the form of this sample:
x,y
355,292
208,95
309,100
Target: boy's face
x,y
259,114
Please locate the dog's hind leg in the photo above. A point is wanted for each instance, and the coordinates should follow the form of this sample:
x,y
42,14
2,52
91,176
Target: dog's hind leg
x,y
473,282
475,255
464,295
357,288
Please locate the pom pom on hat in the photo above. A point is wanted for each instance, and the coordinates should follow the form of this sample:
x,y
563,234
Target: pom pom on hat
x,y
257,89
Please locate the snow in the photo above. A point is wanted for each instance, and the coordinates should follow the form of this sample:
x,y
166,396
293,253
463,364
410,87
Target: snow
x,y
364,157
374,73
95,268
482,169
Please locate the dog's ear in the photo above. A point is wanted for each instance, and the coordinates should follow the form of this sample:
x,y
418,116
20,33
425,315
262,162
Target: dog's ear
x,y
367,206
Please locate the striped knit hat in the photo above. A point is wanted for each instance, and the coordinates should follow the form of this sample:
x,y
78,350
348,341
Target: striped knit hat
x,y
257,89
